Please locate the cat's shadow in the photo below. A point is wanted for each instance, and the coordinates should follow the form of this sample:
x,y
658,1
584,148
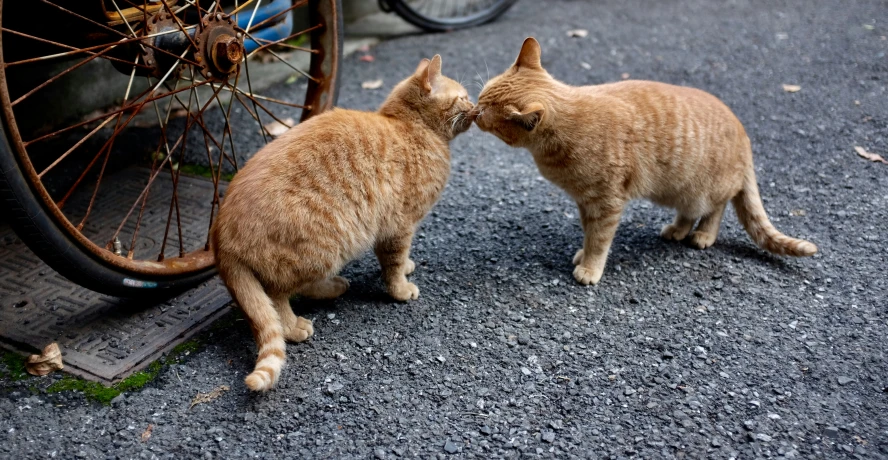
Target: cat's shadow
x,y
658,249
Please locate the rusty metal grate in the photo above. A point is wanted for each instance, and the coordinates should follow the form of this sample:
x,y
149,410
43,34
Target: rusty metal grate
x,y
102,338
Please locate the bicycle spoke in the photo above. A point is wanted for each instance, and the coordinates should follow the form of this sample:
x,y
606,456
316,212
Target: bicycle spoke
x,y
74,51
175,199
282,40
59,75
107,154
304,73
298,4
127,121
255,108
136,104
154,176
117,32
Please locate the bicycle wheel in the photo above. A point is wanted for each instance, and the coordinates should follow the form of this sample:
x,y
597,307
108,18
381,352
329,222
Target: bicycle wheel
x,y
100,196
446,15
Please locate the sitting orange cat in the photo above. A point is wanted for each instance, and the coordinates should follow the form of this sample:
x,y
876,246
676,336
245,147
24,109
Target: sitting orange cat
x,y
608,144
326,191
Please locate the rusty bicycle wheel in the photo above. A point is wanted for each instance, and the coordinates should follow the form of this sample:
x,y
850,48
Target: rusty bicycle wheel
x,y
122,120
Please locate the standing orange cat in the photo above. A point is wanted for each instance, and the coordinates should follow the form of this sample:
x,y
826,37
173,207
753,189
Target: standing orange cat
x,y
608,144
325,192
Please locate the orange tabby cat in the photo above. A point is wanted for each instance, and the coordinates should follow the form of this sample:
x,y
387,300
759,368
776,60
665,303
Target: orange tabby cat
x,y
608,144
328,190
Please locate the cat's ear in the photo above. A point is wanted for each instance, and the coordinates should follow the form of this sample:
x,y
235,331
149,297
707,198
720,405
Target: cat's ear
x,y
431,75
529,57
420,69
530,117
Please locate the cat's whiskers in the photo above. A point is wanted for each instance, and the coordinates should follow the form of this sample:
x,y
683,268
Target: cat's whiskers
x,y
456,119
488,72
480,81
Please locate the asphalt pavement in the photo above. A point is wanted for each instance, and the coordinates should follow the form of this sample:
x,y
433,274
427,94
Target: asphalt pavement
x,y
724,353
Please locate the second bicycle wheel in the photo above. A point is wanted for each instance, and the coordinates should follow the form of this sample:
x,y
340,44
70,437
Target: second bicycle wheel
x,y
121,199
446,15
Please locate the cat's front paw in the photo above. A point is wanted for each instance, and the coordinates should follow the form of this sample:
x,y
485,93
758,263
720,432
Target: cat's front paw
x,y
404,291
587,276
409,266
578,257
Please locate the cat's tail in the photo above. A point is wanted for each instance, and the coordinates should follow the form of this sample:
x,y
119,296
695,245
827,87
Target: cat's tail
x,y
751,212
265,322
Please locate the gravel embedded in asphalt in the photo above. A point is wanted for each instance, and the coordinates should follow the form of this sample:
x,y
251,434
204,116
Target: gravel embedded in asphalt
x,y
727,352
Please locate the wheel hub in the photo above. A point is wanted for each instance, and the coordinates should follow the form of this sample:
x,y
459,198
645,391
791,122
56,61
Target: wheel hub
x,y
220,47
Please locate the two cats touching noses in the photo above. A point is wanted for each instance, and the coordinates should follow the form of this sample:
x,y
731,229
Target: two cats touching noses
x,y
347,181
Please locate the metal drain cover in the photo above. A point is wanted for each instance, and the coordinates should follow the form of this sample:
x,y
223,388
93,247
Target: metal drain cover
x,y
102,338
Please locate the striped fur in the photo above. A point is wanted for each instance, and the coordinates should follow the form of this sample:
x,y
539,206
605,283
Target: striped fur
x,y
752,215
325,192
608,144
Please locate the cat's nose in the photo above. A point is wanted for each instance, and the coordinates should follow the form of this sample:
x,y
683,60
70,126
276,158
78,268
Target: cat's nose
x,y
473,114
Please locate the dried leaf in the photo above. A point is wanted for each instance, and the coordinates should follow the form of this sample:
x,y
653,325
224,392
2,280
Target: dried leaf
x,y
367,58
208,397
869,156
578,33
275,128
797,212
792,88
372,84
586,65
625,76
146,435
49,360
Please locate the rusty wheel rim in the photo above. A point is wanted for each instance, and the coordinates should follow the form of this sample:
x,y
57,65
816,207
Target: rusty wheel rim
x,y
206,84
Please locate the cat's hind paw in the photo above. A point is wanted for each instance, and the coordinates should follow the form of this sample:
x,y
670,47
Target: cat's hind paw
x,y
702,240
299,332
404,291
674,232
329,288
409,266
586,276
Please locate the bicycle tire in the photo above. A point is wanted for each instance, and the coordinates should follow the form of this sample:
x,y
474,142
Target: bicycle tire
x,y
24,205
435,24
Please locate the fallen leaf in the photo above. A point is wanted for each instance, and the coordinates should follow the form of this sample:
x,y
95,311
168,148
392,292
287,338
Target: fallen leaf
x,y
146,435
869,156
586,65
792,88
367,58
208,397
292,79
372,84
49,360
797,212
276,128
869,26
579,33
625,76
